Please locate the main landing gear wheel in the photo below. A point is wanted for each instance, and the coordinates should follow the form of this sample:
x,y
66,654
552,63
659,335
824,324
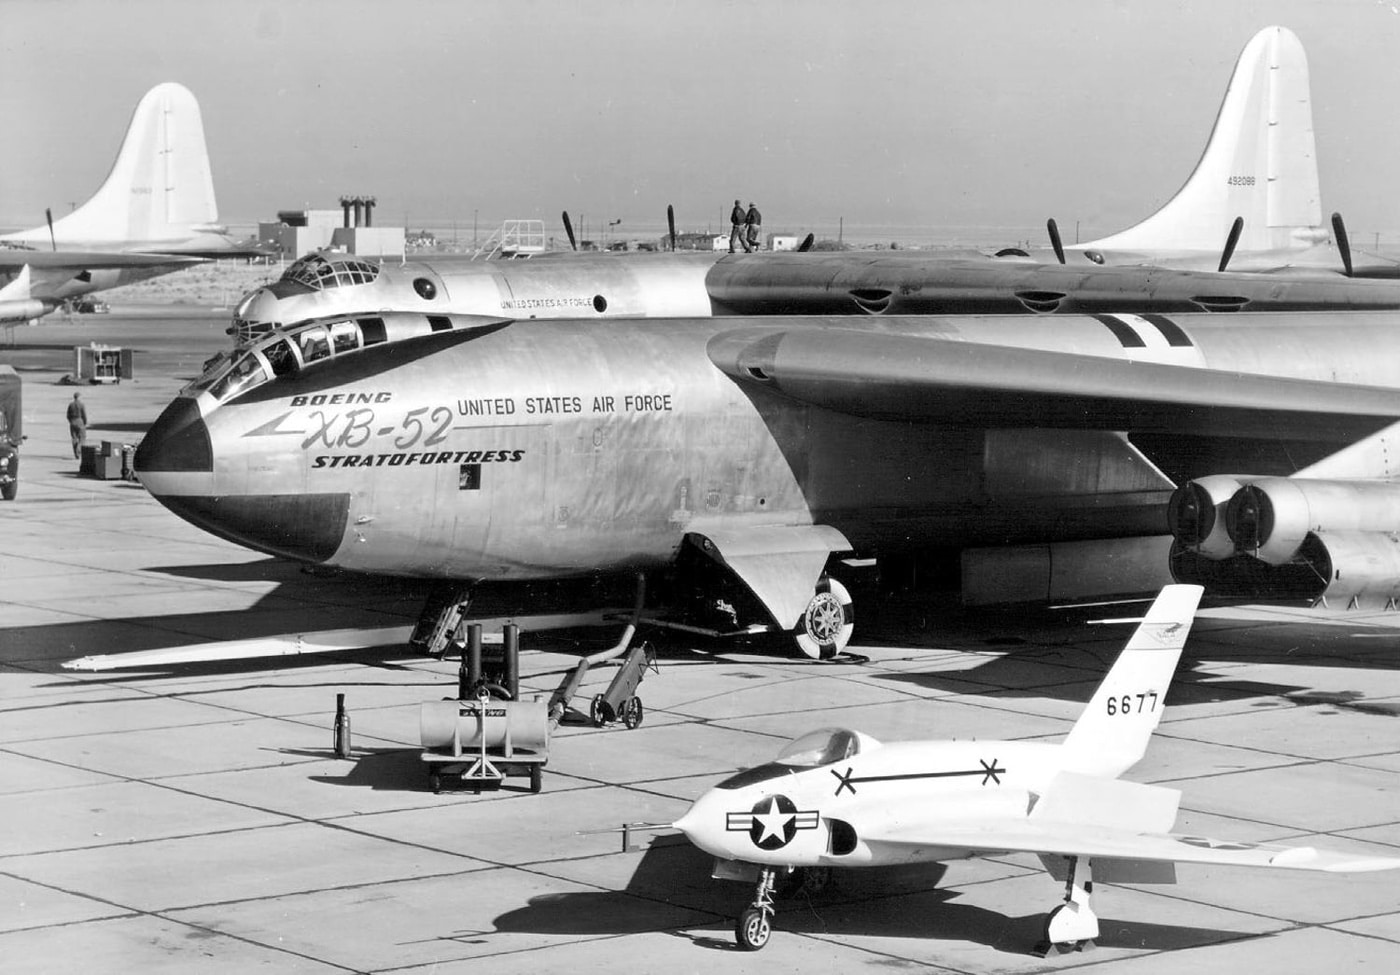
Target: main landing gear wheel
x,y
536,778
825,626
595,711
632,713
1072,926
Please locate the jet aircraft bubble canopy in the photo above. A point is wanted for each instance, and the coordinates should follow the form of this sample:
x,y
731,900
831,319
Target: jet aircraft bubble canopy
x,y
820,747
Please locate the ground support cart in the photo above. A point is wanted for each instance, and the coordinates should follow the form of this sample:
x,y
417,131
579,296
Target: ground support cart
x,y
483,741
620,702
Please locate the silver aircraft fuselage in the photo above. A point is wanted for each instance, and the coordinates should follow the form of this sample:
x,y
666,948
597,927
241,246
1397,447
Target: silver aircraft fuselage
x,y
532,449
863,283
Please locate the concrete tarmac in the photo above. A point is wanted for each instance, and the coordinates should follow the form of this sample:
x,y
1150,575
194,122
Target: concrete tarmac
x,y
196,818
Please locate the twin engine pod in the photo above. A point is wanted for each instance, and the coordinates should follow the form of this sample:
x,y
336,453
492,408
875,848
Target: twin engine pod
x,y
1279,537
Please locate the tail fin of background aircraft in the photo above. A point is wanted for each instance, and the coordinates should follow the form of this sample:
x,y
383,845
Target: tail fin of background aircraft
x,y
160,187
1112,734
1260,164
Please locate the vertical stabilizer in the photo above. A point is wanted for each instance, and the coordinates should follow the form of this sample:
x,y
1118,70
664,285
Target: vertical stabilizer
x,y
1112,734
1260,164
160,187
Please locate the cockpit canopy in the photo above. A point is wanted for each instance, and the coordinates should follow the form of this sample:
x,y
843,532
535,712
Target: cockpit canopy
x,y
319,273
812,750
821,747
283,351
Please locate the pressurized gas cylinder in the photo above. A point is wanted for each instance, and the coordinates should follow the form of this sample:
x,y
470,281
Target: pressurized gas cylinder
x,y
441,723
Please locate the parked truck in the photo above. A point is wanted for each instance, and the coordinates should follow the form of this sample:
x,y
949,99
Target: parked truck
x,y
11,432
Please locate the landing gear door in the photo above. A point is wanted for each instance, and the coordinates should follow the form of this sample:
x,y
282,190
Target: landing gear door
x,y
780,565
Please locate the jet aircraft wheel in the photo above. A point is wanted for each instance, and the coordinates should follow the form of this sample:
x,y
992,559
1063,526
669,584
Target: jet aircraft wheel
x,y
595,711
753,928
8,491
825,626
632,713
435,782
536,778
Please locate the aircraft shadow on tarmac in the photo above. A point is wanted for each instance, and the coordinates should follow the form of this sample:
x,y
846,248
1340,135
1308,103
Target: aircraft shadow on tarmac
x,y
877,902
1039,654
380,769
135,426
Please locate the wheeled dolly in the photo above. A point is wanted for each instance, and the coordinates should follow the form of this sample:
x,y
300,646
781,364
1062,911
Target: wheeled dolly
x,y
620,702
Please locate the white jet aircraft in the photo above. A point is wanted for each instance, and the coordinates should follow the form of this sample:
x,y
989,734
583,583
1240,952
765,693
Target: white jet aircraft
x,y
837,798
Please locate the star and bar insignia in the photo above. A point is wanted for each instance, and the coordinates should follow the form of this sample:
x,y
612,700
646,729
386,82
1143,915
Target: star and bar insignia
x,y
773,822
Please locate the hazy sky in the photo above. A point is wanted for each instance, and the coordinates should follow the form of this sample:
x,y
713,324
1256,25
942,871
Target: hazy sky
x,y
994,113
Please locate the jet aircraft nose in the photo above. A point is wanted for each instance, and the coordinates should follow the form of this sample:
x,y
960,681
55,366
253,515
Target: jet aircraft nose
x,y
177,442
175,462
704,825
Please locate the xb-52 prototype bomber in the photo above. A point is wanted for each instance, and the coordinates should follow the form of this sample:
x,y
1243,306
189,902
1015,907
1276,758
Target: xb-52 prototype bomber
x,y
760,451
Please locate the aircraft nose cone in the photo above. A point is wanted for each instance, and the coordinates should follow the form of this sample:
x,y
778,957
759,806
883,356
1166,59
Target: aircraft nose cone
x,y
177,442
176,464
304,527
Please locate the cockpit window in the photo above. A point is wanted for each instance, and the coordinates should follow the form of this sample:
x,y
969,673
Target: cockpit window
x,y
820,748
246,373
319,273
315,344
280,358
345,337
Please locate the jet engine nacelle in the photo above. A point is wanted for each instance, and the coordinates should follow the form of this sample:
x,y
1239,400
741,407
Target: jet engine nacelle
x,y
1341,568
23,309
1361,566
1269,517
1196,515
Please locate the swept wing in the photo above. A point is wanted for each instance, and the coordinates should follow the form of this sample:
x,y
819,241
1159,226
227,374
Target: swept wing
x,y
919,377
1120,844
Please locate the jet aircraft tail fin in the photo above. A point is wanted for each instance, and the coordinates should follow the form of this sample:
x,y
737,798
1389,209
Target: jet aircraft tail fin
x,y
1112,734
160,187
1260,164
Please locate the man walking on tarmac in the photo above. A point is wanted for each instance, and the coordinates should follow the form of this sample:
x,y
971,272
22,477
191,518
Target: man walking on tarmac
x,y
753,221
736,231
77,424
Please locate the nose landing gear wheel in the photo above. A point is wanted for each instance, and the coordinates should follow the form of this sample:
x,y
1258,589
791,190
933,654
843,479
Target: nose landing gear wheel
x,y
754,924
752,929
632,713
825,626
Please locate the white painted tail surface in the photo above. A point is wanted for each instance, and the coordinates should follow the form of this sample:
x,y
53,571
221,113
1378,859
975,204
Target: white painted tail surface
x,y
1111,735
1260,164
160,187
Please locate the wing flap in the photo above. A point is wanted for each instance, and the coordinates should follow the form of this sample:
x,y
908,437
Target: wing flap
x,y
928,378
